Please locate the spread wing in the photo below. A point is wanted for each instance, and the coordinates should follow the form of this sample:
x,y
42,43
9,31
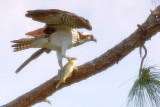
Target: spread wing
x,y
59,18
42,32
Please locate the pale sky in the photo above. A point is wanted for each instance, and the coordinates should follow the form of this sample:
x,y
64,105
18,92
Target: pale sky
x,y
112,21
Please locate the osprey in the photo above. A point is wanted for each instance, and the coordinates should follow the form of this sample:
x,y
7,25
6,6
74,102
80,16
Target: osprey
x,y
59,34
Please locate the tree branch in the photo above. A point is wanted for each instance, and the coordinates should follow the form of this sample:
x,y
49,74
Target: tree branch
x,y
144,32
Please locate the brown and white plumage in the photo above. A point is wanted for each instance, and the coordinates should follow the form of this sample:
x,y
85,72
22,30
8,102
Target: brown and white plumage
x,y
39,33
59,18
59,34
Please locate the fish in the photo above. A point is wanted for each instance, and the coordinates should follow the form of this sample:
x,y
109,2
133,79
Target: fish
x,y
66,72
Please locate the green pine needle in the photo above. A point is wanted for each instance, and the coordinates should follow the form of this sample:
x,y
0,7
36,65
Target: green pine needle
x,y
146,89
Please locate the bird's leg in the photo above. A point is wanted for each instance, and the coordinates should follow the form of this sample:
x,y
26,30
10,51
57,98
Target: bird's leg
x,y
59,56
64,48
60,71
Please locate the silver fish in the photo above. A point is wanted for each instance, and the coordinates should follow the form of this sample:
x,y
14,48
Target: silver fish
x,y
67,71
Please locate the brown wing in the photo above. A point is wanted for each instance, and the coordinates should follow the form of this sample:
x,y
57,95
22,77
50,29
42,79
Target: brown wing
x,y
59,18
37,33
42,32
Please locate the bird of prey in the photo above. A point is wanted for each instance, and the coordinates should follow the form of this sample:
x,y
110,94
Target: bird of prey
x,y
67,72
59,34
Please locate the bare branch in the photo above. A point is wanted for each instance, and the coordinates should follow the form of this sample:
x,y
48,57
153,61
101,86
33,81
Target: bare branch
x,y
150,27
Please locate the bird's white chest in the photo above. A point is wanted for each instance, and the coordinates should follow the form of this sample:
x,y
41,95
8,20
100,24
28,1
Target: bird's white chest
x,y
59,38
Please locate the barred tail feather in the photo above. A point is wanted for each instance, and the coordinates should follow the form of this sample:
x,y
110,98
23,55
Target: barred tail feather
x,y
22,44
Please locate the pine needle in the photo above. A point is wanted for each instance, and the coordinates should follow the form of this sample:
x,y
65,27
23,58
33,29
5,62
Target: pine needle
x,y
146,89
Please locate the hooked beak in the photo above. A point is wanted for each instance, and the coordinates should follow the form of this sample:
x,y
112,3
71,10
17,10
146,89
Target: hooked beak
x,y
94,40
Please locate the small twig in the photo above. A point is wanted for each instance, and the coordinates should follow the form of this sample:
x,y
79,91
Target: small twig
x,y
140,51
47,101
142,61
143,32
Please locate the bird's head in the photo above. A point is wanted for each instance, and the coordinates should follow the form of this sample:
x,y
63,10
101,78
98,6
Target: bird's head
x,y
86,37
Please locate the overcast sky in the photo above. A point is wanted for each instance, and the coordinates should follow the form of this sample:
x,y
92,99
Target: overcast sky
x,y
112,21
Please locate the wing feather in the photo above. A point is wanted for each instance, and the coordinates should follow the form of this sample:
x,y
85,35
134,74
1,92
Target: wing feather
x,y
37,33
59,18
42,32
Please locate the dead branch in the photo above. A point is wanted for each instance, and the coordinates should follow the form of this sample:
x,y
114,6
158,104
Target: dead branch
x,y
144,32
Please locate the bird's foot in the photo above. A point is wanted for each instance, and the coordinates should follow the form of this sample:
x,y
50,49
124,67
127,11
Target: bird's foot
x,y
69,58
64,56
